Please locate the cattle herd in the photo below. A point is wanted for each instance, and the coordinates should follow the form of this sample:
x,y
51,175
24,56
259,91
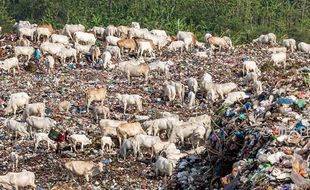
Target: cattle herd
x,y
121,112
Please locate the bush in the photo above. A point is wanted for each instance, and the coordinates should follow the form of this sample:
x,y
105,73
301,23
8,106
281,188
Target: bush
x,y
242,20
6,21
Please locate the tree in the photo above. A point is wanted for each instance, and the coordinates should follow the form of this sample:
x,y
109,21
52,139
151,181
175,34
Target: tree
x,y
6,21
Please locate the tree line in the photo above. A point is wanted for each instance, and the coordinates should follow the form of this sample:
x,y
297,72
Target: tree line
x,y
242,20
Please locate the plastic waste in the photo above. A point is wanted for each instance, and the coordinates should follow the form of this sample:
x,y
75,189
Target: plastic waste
x,y
157,100
242,116
247,106
300,127
287,101
229,112
213,137
301,103
71,66
267,165
106,162
240,134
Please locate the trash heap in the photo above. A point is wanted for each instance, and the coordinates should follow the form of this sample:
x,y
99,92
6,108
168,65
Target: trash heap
x,y
256,143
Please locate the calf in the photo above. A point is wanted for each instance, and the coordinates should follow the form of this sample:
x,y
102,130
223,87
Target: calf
x,y
106,57
191,100
95,53
76,138
199,134
38,137
49,63
192,84
14,157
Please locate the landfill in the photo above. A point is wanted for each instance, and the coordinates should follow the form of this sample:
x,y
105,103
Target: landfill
x,y
260,142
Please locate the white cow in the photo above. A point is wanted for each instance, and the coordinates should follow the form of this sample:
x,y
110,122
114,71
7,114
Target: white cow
x,y
77,138
10,63
70,29
17,100
19,179
88,38
58,38
24,50
38,137
163,166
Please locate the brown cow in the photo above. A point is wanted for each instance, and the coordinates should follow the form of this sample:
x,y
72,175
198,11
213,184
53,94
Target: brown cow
x,y
128,44
94,94
48,26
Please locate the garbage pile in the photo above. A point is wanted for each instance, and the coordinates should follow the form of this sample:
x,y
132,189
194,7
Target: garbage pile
x,y
260,142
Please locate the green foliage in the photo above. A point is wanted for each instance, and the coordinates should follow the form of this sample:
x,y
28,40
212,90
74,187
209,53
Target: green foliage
x,y
243,20
6,22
